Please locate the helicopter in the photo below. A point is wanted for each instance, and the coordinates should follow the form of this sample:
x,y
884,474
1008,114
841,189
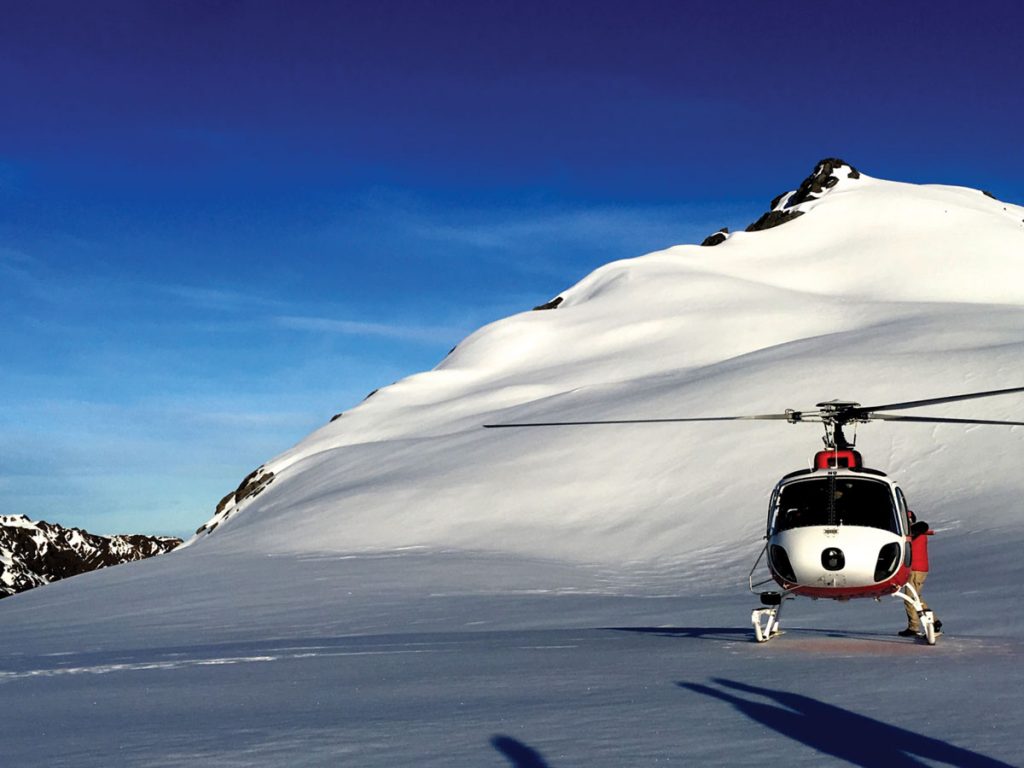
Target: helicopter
x,y
838,530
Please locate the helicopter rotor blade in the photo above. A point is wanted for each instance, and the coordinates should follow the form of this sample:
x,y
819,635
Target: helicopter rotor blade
x,y
942,420
865,411
763,416
838,414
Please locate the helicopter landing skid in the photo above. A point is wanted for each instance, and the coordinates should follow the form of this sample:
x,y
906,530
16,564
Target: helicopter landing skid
x,y
766,620
766,623
925,615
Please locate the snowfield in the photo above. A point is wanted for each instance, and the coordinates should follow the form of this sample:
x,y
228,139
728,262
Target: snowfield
x,y
413,589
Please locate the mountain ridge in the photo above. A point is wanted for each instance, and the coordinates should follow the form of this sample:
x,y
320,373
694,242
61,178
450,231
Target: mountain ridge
x,y
33,554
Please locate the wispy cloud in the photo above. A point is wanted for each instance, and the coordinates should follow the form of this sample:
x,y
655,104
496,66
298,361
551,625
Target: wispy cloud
x,y
506,229
17,264
13,257
431,334
218,299
23,278
542,238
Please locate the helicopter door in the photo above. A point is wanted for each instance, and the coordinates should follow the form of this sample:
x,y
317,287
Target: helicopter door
x,y
904,510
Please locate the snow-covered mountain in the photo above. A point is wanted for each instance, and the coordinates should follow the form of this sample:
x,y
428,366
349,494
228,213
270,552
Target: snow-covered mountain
x,y
37,553
848,287
405,587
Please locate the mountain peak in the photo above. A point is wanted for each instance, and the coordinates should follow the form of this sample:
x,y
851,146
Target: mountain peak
x,y
826,175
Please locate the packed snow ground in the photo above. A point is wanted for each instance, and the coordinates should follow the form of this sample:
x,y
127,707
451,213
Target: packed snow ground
x,y
415,590
448,659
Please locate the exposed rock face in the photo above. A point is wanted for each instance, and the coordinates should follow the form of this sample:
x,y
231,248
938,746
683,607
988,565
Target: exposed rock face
x,y
773,219
253,485
36,553
717,238
553,304
825,176
827,173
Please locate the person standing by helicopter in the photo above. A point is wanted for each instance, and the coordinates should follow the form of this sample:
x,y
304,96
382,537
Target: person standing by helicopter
x,y
919,533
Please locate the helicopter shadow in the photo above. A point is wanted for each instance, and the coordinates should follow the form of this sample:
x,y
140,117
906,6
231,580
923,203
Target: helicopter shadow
x,y
719,634
519,755
838,732
866,640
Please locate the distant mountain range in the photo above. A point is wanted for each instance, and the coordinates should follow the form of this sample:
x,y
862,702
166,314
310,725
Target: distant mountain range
x,y
36,553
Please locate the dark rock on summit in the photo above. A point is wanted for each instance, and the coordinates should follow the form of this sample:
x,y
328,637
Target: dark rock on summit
x,y
822,179
549,305
37,553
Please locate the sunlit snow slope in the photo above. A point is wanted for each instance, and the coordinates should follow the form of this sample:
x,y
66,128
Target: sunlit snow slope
x,y
881,291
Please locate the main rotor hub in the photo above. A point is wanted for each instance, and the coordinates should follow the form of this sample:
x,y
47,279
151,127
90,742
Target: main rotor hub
x,y
834,414
835,438
837,407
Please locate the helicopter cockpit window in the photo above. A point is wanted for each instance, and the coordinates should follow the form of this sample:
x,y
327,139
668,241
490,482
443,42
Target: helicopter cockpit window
x,y
836,501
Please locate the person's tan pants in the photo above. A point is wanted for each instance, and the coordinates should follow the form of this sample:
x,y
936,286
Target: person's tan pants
x,y
916,580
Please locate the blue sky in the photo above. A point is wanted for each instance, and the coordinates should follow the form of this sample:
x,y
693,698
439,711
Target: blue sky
x,y
223,222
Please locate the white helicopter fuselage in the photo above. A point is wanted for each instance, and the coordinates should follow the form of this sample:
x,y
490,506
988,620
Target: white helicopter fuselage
x,y
838,533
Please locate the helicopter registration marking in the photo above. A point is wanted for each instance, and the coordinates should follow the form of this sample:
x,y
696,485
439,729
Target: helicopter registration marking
x,y
832,581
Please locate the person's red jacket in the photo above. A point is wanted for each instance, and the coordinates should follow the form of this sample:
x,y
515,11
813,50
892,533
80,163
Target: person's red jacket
x,y
919,548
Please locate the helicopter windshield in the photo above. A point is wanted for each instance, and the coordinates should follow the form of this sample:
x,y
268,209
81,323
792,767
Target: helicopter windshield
x,y
836,501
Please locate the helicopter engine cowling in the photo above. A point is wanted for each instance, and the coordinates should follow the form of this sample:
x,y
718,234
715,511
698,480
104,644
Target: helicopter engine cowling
x,y
838,561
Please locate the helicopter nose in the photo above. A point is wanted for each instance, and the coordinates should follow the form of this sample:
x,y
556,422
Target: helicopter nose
x,y
833,559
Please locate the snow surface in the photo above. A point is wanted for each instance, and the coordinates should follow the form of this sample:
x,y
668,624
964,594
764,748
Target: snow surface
x,y
412,589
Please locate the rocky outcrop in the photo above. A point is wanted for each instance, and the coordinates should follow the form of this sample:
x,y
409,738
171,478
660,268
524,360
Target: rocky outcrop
x,y
252,486
717,238
827,173
825,176
37,553
773,219
553,304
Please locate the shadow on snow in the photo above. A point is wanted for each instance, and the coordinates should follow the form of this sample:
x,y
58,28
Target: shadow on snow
x,y
838,732
693,633
732,634
518,754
